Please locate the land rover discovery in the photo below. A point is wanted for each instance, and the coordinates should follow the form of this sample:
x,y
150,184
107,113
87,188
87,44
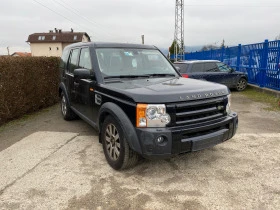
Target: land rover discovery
x,y
139,103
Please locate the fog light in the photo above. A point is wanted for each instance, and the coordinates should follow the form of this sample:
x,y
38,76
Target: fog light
x,y
161,140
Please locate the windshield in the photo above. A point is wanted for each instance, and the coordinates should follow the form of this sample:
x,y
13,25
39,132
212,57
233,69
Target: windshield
x,y
117,62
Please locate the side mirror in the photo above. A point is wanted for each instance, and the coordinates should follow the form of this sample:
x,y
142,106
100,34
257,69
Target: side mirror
x,y
83,74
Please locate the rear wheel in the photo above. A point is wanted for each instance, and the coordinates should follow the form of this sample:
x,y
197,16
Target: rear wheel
x,y
66,111
242,84
116,149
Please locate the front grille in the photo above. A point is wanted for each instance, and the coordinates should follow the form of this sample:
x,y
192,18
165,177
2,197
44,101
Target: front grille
x,y
199,111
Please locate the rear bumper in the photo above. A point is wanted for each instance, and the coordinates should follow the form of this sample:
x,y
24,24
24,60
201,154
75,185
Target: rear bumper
x,y
185,139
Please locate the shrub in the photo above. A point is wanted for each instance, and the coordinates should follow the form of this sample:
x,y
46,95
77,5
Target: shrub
x,y
27,84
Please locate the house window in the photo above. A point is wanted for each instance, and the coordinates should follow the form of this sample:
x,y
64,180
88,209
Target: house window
x,y
57,48
54,37
41,38
50,48
75,37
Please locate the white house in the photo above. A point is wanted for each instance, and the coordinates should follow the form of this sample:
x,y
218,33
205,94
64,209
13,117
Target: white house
x,y
53,42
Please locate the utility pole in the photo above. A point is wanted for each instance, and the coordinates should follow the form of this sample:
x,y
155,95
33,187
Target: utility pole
x,y
8,50
143,39
179,47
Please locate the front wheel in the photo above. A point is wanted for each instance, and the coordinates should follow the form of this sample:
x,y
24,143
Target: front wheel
x,y
116,149
242,84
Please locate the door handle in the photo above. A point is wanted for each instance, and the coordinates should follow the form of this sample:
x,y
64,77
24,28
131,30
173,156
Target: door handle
x,y
76,84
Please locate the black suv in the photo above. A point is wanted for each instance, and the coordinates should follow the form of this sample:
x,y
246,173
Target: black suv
x,y
140,105
213,71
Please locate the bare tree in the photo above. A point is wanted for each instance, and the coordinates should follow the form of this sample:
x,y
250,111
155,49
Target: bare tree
x,y
209,47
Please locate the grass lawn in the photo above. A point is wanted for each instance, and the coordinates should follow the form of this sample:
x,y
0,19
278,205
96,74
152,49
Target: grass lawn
x,y
258,96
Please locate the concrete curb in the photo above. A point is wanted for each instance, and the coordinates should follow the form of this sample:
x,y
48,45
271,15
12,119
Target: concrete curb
x,y
266,90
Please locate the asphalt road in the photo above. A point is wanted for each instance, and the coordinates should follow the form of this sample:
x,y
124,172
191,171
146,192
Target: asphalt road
x,y
48,163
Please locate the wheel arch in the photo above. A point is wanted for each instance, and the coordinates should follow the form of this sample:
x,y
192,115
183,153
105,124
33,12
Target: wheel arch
x,y
62,88
244,77
115,111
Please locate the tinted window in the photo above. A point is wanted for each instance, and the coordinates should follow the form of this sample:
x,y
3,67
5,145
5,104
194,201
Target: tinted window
x,y
223,67
64,59
197,67
85,61
183,67
73,63
210,67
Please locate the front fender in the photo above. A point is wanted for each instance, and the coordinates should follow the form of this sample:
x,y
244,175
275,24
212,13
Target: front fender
x,y
114,110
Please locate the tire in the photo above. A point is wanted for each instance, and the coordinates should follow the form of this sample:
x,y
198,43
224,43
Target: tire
x,y
241,85
115,147
66,111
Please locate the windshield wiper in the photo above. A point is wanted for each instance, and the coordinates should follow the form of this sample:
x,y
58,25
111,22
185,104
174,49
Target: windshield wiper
x,y
139,76
160,75
126,76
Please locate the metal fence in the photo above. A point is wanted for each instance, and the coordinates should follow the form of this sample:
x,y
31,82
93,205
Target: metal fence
x,y
260,61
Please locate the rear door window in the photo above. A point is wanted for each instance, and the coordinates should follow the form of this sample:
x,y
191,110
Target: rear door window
x,y
64,58
197,67
210,67
73,62
85,62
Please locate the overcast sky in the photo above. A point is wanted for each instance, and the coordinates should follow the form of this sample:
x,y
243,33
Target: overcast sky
x,y
206,21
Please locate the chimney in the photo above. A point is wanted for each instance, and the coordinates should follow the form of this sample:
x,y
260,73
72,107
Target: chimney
x,y
55,30
51,31
72,30
59,31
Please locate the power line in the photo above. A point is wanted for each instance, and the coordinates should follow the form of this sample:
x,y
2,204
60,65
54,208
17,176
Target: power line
x,y
61,15
93,22
76,12
66,17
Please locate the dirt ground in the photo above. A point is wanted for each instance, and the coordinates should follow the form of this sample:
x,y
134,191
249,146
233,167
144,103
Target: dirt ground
x,y
242,173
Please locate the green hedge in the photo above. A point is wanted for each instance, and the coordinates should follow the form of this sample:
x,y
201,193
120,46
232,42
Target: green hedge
x,y
27,84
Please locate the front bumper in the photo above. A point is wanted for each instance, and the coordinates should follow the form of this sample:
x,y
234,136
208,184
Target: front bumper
x,y
188,138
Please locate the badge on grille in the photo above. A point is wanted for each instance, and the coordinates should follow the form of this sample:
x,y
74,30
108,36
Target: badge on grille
x,y
220,107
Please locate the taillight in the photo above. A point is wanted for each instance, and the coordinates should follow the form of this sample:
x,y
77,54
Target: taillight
x,y
185,75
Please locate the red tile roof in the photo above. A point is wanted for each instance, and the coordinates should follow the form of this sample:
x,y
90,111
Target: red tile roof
x,y
56,36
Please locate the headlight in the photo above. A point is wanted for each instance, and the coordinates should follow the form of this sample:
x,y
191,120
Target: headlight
x,y
228,104
151,115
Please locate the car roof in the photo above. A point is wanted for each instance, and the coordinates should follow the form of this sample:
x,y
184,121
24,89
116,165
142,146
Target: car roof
x,y
111,45
196,61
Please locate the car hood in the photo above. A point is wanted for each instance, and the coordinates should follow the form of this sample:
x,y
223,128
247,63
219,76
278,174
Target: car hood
x,y
166,90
